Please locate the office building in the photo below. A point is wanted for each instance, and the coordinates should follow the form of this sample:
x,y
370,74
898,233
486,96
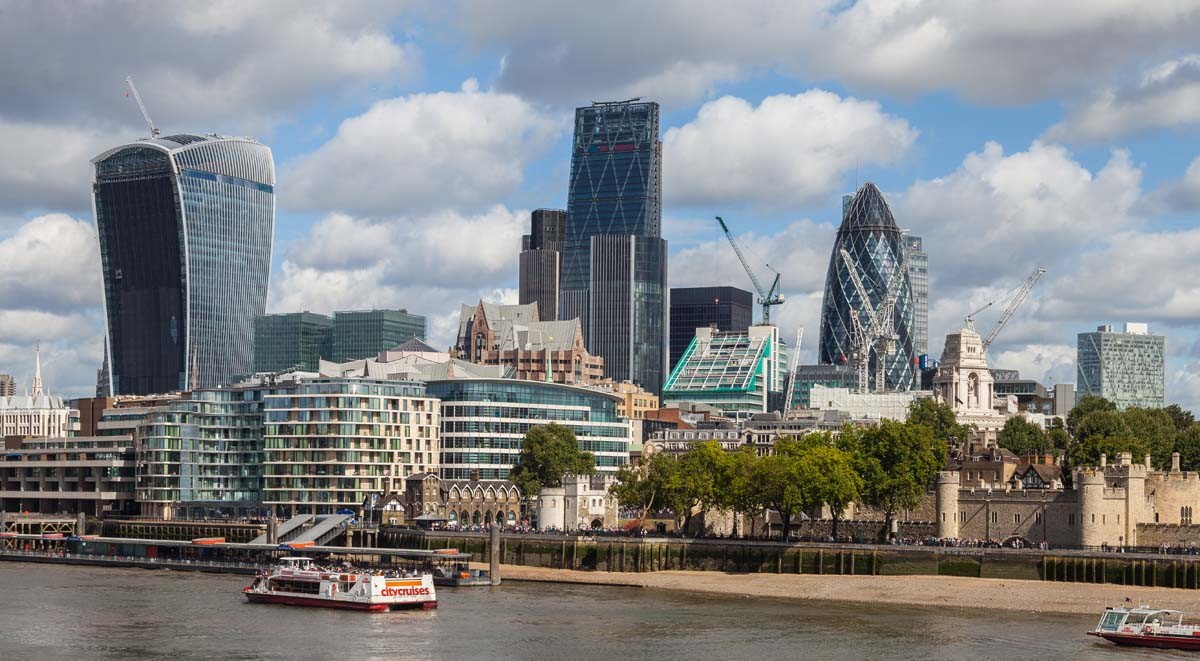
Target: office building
x,y
541,261
8,387
614,264
917,262
737,372
830,376
93,475
364,333
1127,368
292,340
871,238
511,336
726,308
185,224
484,422
331,442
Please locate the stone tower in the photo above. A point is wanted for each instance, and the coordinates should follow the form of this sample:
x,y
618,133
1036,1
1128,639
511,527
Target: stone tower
x,y
947,504
965,383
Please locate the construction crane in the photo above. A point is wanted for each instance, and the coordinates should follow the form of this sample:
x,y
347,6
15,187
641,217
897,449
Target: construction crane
x,y
880,329
1018,298
138,97
791,387
766,297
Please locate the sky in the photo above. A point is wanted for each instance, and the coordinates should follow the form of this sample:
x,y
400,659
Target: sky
x,y
412,139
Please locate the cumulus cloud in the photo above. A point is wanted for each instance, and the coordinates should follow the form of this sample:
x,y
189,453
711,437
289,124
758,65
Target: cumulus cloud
x,y
415,153
1048,363
47,167
997,216
788,150
1177,196
1166,96
879,45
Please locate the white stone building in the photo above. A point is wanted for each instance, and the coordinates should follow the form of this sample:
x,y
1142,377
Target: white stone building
x,y
582,502
37,414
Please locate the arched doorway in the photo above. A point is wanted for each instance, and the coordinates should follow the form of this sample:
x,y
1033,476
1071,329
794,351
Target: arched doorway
x,y
597,524
487,518
511,519
476,518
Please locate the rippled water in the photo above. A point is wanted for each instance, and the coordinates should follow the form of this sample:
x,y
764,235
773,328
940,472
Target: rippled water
x,y
49,612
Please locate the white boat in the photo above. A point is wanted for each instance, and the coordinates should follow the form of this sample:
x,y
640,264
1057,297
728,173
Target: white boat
x,y
1149,627
299,582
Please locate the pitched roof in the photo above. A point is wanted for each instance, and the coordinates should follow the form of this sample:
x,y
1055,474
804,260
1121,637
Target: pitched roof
x,y
415,344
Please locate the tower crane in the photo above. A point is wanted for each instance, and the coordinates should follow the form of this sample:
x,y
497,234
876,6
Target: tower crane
x,y
1018,298
791,387
766,297
880,329
138,97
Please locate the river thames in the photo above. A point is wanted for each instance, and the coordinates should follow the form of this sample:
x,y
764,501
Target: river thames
x,y
57,612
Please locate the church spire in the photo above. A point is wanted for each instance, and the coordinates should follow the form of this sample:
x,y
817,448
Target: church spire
x,y
37,370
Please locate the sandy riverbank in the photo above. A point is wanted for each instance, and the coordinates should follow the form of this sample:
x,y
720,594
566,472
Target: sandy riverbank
x,y
955,592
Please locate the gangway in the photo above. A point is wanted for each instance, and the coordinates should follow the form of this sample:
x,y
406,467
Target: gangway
x,y
324,530
286,529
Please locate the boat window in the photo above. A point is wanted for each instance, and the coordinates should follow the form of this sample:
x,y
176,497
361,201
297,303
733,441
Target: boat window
x,y
1111,620
1136,618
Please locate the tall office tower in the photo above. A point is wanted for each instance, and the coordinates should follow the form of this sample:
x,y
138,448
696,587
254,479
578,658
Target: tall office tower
x,y
917,263
8,387
614,266
185,225
727,308
292,340
364,333
541,260
870,236
1127,368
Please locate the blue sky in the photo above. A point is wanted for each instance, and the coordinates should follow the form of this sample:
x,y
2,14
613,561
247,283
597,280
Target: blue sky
x,y
412,139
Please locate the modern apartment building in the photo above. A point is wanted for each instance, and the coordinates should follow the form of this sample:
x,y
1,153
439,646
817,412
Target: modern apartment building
x,y
1126,367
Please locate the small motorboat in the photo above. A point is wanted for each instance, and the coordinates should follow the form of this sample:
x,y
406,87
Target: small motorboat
x,y
1149,627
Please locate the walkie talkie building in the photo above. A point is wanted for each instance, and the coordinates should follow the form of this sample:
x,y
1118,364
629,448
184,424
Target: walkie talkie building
x,y
876,246
185,225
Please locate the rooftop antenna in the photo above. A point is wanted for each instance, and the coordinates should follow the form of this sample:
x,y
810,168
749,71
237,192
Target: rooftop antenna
x,y
138,97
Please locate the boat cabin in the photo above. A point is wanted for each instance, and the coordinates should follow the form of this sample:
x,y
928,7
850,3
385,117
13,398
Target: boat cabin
x,y
1133,619
297,563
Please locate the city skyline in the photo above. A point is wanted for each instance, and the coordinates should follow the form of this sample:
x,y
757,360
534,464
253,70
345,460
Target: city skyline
x,y
1074,169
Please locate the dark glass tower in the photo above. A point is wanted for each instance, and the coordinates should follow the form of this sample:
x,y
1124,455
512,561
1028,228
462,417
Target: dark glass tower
x,y
614,258
728,308
292,340
541,262
185,225
876,246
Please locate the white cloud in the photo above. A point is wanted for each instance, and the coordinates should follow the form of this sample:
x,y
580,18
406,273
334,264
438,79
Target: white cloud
x,y
50,263
1166,96
788,150
47,167
1047,363
415,153
1177,196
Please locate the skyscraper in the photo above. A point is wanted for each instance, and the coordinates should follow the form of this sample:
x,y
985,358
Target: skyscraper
x,y
614,266
292,339
364,333
728,308
917,261
870,236
185,224
1127,368
541,261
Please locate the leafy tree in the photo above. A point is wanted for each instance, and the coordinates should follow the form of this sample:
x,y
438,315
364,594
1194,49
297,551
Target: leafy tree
x,y
698,479
645,483
1157,429
548,453
897,462
740,491
1087,452
778,481
1187,444
1058,438
827,477
1085,407
1182,419
939,418
1101,424
1022,437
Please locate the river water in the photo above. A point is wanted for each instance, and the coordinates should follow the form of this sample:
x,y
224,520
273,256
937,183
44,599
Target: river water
x,y
58,612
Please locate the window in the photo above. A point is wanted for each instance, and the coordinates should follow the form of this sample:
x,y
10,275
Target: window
x,y
1016,518
1070,519
1037,517
1185,515
995,517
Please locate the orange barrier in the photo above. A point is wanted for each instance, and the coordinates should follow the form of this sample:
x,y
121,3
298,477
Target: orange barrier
x,y
208,541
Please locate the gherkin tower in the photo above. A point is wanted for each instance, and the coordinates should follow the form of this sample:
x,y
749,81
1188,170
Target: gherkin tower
x,y
876,247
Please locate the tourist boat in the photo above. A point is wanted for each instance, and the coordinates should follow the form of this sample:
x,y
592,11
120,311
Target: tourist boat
x,y
298,582
1149,627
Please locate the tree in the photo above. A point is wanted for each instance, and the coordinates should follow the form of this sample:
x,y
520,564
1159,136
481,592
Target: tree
x,y
1085,407
1022,437
1101,424
1059,438
1157,429
548,453
740,492
778,480
644,484
939,418
827,477
1087,453
697,482
1182,419
1187,444
897,462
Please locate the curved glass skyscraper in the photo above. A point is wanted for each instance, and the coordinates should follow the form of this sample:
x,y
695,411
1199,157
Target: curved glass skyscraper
x,y
185,225
870,236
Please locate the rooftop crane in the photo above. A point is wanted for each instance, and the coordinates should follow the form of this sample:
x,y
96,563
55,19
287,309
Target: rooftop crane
x,y
766,297
138,97
880,329
791,387
1018,298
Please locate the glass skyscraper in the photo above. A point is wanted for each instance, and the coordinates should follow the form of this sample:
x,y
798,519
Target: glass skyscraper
x,y
362,334
292,340
185,224
727,308
541,262
917,261
870,236
614,269
1127,368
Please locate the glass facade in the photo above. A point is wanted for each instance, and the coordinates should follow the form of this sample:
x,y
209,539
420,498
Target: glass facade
x,y
728,308
830,376
1126,368
613,275
484,423
364,333
870,236
541,262
917,261
330,443
185,226
737,372
290,340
